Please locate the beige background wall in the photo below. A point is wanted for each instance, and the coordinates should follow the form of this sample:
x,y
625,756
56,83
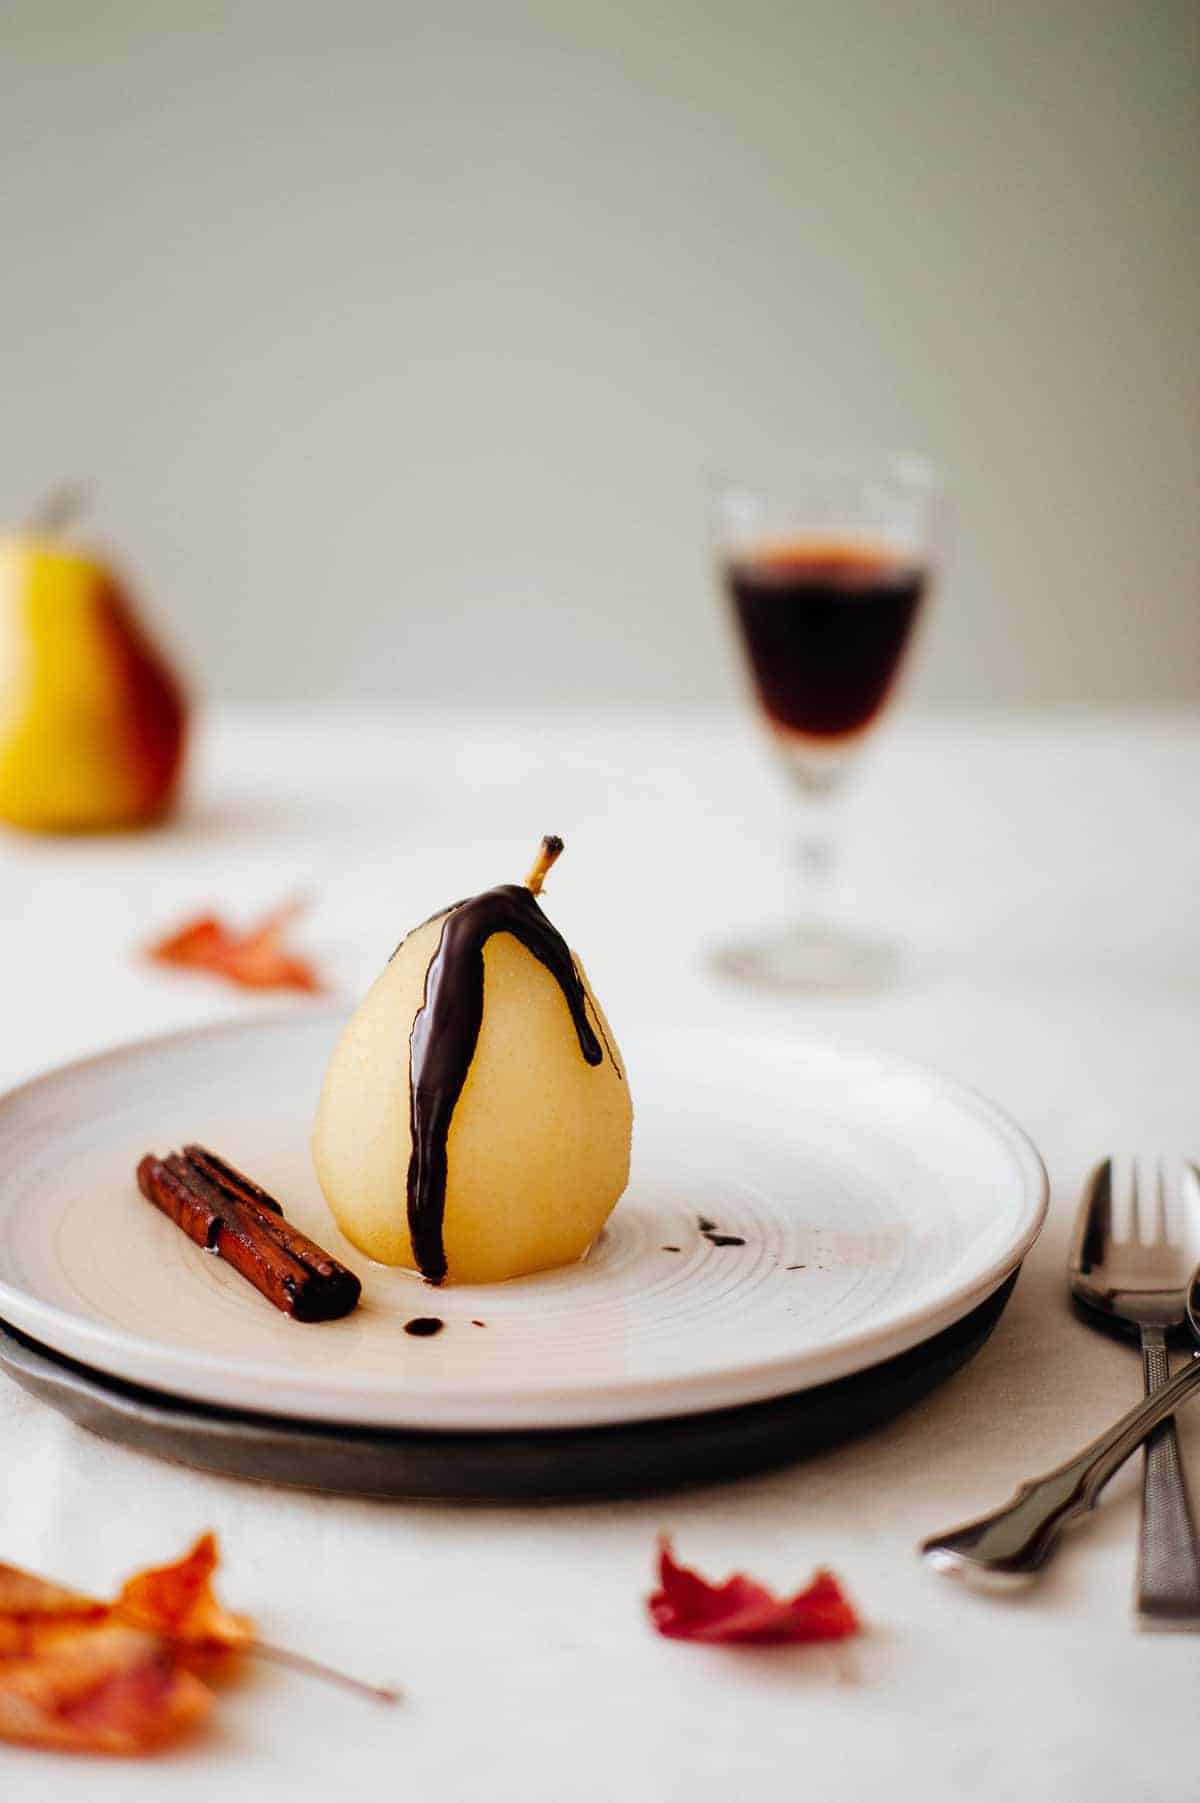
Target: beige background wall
x,y
399,337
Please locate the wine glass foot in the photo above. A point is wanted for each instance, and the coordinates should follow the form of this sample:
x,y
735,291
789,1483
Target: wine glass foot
x,y
814,957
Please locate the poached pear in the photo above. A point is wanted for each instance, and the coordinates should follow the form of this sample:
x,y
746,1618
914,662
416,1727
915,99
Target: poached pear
x,y
475,1120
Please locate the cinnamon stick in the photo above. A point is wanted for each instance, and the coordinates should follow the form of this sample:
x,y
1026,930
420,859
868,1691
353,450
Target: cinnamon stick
x,y
235,1186
227,1213
227,1177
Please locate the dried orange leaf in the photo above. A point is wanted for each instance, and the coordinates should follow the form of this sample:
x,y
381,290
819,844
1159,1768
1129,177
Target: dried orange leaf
x,y
105,1689
177,1601
111,1677
256,959
198,943
34,1611
123,1677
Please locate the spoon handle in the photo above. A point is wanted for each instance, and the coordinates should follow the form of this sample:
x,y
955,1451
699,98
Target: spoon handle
x,y
1012,1544
1169,1554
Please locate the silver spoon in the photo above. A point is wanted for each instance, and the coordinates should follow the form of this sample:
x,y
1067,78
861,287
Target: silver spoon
x,y
1010,1546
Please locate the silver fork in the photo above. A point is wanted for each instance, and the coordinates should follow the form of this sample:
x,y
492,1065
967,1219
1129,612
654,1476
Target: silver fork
x,y
1141,1283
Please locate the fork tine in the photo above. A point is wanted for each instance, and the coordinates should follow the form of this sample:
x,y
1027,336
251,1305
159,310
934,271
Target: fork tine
x,y
1162,1222
1093,1224
1188,1204
1191,1185
1137,1229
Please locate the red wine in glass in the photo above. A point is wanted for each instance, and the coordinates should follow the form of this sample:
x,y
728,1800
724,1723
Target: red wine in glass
x,y
826,622
826,572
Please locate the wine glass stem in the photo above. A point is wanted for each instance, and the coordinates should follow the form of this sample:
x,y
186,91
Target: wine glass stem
x,y
818,855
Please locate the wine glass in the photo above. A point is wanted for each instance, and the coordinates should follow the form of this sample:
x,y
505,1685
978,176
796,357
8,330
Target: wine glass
x,y
826,575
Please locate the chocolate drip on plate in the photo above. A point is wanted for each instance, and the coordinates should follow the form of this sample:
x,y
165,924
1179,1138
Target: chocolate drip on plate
x,y
446,1032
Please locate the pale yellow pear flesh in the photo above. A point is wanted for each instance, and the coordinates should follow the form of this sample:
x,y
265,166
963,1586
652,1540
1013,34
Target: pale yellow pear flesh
x,y
538,1148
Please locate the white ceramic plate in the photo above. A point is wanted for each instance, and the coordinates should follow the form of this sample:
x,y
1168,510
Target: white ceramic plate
x,y
879,1202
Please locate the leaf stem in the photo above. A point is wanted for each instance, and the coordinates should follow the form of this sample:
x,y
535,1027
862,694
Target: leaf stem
x,y
313,1668
59,510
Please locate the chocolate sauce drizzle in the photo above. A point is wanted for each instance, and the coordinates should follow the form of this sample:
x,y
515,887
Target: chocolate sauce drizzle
x,y
713,1234
445,1033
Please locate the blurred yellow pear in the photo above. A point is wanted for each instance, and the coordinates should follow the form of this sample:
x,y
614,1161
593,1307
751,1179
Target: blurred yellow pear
x,y
92,720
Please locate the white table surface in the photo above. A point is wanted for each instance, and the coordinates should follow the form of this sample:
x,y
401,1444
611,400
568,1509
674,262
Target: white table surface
x,y
1044,874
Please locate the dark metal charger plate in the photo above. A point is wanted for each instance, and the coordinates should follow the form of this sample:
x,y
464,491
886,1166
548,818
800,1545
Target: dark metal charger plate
x,y
631,1459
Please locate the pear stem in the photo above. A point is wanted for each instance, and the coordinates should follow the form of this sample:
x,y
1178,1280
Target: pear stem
x,y
548,854
60,509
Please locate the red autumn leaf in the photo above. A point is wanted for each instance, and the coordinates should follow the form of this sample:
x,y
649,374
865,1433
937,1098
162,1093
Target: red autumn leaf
x,y
255,959
687,1607
177,1601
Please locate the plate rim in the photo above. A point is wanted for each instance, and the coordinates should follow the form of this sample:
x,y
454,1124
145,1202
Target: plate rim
x,y
617,1461
110,1350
